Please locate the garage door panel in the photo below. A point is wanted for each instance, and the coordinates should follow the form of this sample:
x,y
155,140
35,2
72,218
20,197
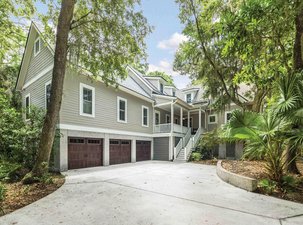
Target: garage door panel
x,y
120,151
84,152
143,150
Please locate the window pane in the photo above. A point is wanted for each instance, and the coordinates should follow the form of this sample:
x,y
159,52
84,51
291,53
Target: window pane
x,y
27,107
157,118
145,120
212,119
48,89
37,46
87,94
228,116
188,98
122,115
122,104
87,107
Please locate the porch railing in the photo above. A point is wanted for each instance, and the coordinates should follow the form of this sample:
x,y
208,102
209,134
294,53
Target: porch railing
x,y
166,128
178,148
192,143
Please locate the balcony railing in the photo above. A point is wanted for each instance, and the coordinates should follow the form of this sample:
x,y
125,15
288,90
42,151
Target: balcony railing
x,y
166,128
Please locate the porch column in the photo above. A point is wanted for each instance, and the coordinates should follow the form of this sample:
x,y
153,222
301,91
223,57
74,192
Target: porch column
x,y
200,118
181,118
172,117
188,119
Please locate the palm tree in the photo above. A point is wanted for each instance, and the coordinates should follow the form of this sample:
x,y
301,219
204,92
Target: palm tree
x,y
290,107
264,137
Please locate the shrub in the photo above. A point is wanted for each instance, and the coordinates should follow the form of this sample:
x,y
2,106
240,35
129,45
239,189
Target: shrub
x,y
195,156
267,185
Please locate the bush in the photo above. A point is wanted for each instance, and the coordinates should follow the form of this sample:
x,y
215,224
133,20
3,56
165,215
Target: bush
x,y
195,156
267,185
19,139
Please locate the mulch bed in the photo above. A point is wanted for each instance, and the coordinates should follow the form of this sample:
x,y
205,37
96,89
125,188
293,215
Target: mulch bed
x,y
19,195
256,170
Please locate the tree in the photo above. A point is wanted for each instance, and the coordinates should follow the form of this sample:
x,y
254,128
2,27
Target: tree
x,y
165,76
264,138
236,42
98,37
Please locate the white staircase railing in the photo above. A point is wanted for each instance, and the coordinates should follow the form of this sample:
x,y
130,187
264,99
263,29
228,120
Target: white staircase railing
x,y
186,137
178,148
193,141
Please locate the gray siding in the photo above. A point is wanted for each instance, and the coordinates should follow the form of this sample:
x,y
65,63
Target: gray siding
x,y
105,107
39,62
37,91
161,148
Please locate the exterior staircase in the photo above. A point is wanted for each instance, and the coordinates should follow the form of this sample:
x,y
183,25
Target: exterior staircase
x,y
186,145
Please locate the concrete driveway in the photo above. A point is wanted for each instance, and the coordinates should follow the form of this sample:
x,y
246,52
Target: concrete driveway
x,y
154,193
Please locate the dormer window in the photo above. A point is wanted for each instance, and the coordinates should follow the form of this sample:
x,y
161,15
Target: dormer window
x,y
37,46
188,98
161,88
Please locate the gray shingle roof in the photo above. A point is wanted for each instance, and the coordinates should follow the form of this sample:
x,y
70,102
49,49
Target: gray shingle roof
x,y
131,84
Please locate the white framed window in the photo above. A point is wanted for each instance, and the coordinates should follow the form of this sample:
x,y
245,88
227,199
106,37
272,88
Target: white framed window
x,y
188,98
174,94
145,116
121,110
167,118
48,86
176,120
157,117
37,46
27,106
212,119
227,116
87,100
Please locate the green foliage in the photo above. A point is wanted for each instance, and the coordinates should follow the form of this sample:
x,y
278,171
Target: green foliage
x,y
267,185
210,139
18,138
11,171
165,76
236,42
105,36
195,156
2,197
289,182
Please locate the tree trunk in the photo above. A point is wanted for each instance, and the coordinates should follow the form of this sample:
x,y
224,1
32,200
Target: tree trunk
x,y
52,114
257,104
298,67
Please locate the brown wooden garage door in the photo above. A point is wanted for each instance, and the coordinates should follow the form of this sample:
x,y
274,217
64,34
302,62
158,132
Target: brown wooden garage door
x,y
143,150
84,152
119,151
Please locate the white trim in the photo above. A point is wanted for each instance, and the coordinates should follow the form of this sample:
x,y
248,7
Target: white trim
x,y
45,99
29,106
164,96
216,119
167,115
118,109
225,116
157,112
122,88
38,76
81,100
102,130
145,107
36,53
142,79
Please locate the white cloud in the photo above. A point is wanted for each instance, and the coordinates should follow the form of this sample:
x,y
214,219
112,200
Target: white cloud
x,y
163,66
173,42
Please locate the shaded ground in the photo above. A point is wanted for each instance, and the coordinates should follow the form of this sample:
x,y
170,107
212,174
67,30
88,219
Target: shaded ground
x,y
19,195
154,192
257,170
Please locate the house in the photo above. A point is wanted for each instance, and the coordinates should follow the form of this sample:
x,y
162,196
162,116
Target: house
x,y
143,119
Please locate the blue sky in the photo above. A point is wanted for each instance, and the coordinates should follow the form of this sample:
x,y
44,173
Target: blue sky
x,y
163,42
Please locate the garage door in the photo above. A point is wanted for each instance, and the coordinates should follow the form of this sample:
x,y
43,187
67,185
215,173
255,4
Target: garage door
x,y
119,151
84,152
143,150
161,148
